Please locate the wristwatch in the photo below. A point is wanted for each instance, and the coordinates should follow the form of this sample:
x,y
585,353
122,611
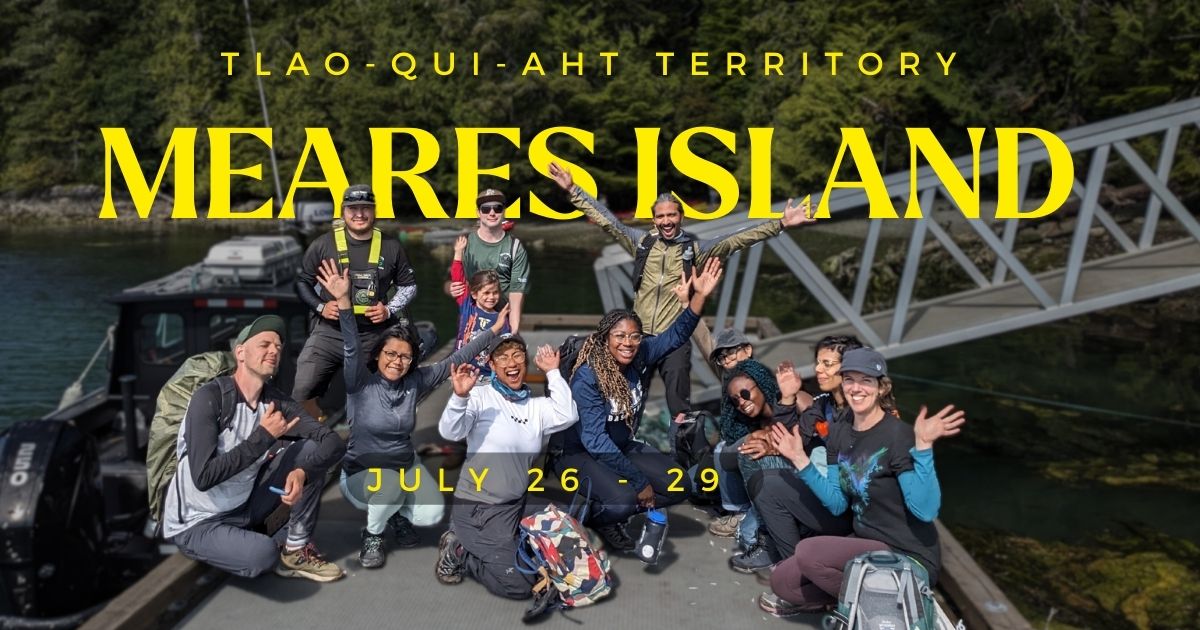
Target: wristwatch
x,y
320,307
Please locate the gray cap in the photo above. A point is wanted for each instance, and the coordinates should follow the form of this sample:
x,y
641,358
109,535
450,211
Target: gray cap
x,y
726,339
495,344
266,323
358,195
864,361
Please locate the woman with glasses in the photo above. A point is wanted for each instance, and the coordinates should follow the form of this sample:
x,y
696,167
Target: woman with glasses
x,y
625,476
382,392
787,509
881,471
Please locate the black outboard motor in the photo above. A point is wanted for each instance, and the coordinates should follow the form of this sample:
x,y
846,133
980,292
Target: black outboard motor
x,y
51,519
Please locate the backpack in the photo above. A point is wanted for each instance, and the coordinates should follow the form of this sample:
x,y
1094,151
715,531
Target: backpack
x,y
693,444
568,352
884,590
690,254
566,554
169,410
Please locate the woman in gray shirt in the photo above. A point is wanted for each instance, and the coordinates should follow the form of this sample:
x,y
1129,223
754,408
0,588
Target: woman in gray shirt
x,y
381,472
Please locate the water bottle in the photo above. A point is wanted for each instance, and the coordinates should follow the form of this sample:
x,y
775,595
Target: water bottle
x,y
654,533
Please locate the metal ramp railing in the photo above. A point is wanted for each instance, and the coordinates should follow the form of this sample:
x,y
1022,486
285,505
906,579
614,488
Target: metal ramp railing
x,y
1013,293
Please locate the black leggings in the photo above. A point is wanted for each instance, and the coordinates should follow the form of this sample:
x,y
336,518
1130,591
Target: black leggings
x,y
613,501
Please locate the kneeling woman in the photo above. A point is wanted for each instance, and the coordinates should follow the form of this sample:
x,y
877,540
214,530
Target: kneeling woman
x,y
505,429
382,407
879,468
624,475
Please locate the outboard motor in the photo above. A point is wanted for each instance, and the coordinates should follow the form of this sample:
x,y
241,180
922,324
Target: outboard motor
x,y
51,519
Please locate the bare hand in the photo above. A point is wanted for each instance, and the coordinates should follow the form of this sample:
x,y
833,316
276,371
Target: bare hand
x,y
790,444
337,283
293,487
789,381
754,448
562,177
377,313
645,497
683,290
331,310
944,423
706,281
798,215
460,246
463,378
501,319
457,289
546,358
272,420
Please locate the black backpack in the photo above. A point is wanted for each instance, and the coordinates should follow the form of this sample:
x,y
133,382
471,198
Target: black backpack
x,y
690,254
693,444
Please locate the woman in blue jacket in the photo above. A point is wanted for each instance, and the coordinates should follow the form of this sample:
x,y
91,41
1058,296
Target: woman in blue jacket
x,y
625,476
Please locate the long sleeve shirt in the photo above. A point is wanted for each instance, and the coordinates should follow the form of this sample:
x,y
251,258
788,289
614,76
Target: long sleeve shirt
x,y
504,437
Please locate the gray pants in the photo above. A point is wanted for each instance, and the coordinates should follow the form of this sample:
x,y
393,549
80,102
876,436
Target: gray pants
x,y
322,357
790,512
488,533
235,541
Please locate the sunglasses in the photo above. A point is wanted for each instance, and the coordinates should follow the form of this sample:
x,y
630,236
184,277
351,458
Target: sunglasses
x,y
491,208
359,195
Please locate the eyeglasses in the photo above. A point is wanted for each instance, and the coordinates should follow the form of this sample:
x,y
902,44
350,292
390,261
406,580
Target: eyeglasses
x,y
827,363
359,195
728,357
491,208
631,338
512,358
392,355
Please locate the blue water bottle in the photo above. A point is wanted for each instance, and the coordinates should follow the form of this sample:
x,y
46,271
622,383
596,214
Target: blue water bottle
x,y
654,533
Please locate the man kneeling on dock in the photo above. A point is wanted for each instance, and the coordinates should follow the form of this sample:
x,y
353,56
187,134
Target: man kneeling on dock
x,y
239,457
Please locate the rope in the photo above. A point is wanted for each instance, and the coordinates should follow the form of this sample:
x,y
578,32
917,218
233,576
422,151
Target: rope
x,y
75,390
1043,401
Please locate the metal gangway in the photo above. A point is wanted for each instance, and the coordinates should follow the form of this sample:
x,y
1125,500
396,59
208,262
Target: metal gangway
x,y
1006,294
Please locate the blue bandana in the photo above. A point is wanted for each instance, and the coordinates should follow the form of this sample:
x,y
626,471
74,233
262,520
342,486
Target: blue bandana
x,y
507,392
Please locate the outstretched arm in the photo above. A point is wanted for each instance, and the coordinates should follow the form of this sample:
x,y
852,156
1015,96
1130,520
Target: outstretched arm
x,y
723,246
627,237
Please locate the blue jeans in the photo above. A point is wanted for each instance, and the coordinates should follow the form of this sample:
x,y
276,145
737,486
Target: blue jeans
x,y
735,498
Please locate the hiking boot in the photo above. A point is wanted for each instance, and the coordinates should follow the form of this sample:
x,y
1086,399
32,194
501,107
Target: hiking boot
x,y
726,526
402,529
615,537
449,566
371,556
752,560
779,607
306,562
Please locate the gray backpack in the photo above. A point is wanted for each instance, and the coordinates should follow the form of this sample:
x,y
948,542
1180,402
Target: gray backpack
x,y
882,590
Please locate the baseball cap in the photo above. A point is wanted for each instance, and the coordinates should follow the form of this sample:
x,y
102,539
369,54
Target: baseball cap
x,y
864,361
490,195
500,339
266,323
358,195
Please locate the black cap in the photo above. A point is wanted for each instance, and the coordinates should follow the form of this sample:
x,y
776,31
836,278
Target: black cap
x,y
864,361
358,195
495,344
266,323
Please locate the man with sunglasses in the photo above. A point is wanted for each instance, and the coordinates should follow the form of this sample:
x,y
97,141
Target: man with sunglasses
x,y
376,265
491,247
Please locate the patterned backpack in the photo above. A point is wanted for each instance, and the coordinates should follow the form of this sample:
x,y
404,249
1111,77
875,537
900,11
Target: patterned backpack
x,y
564,553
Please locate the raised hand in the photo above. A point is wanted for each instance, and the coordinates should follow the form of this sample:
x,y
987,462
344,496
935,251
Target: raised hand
x,y
789,382
790,444
927,430
562,177
683,290
460,246
501,319
546,358
462,378
337,283
272,420
798,215
706,281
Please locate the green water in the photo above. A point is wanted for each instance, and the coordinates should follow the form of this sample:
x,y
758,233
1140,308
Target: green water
x,y
55,284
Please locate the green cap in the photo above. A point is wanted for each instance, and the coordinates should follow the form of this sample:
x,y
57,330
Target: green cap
x,y
266,323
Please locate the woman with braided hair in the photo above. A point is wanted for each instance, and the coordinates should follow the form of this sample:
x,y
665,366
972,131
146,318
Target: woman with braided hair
x,y
625,476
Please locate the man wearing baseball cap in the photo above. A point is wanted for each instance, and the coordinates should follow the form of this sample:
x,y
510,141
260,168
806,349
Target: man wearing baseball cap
x,y
376,265
235,468
491,247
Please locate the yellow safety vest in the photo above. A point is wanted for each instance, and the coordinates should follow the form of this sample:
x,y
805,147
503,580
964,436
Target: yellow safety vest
x,y
361,298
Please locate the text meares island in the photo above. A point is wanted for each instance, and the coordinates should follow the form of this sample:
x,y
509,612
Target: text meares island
x,y
855,146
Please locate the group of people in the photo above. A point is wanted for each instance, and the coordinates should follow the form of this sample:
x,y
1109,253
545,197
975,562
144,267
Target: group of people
x,y
806,482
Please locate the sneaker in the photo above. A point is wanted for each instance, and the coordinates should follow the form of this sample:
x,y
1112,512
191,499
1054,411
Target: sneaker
x,y
754,559
449,566
371,556
779,607
403,531
726,526
615,537
306,562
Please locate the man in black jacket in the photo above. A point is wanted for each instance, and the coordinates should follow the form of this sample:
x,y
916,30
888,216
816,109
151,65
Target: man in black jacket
x,y
376,265
239,457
